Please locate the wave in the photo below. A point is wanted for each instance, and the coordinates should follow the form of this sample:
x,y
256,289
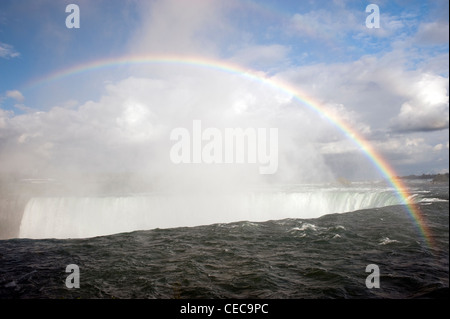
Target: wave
x,y
81,217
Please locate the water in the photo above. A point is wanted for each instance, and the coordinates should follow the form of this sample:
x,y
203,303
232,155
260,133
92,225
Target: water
x,y
81,217
289,257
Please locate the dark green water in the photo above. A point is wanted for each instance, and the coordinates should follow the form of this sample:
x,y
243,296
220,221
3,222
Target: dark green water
x,y
324,257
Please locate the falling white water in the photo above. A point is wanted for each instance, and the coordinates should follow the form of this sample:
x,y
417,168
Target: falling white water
x,y
80,217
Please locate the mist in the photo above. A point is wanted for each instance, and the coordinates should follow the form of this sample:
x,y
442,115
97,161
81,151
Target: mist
x,y
93,161
114,147
126,132
119,145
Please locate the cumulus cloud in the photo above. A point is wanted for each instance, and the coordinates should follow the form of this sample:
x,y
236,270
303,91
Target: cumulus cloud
x,y
382,91
422,117
4,118
402,111
16,95
433,33
128,129
428,108
386,97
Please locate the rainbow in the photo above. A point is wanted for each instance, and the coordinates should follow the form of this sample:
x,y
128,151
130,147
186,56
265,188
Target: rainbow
x,y
376,159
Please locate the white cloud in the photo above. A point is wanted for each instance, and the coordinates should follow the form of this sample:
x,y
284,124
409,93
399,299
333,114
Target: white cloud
x,y
330,25
178,27
323,24
384,93
4,118
402,111
428,108
262,56
378,95
339,147
16,95
128,128
349,117
7,51
433,33
422,117
406,150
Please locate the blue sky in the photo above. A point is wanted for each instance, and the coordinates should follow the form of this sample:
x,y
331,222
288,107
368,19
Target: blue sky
x,y
390,83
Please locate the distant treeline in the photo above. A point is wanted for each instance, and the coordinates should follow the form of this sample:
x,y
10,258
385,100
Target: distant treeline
x,y
433,177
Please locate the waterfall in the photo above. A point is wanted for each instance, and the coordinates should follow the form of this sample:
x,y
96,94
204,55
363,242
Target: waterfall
x,y
80,217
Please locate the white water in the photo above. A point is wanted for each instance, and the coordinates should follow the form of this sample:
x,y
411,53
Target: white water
x,y
80,217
